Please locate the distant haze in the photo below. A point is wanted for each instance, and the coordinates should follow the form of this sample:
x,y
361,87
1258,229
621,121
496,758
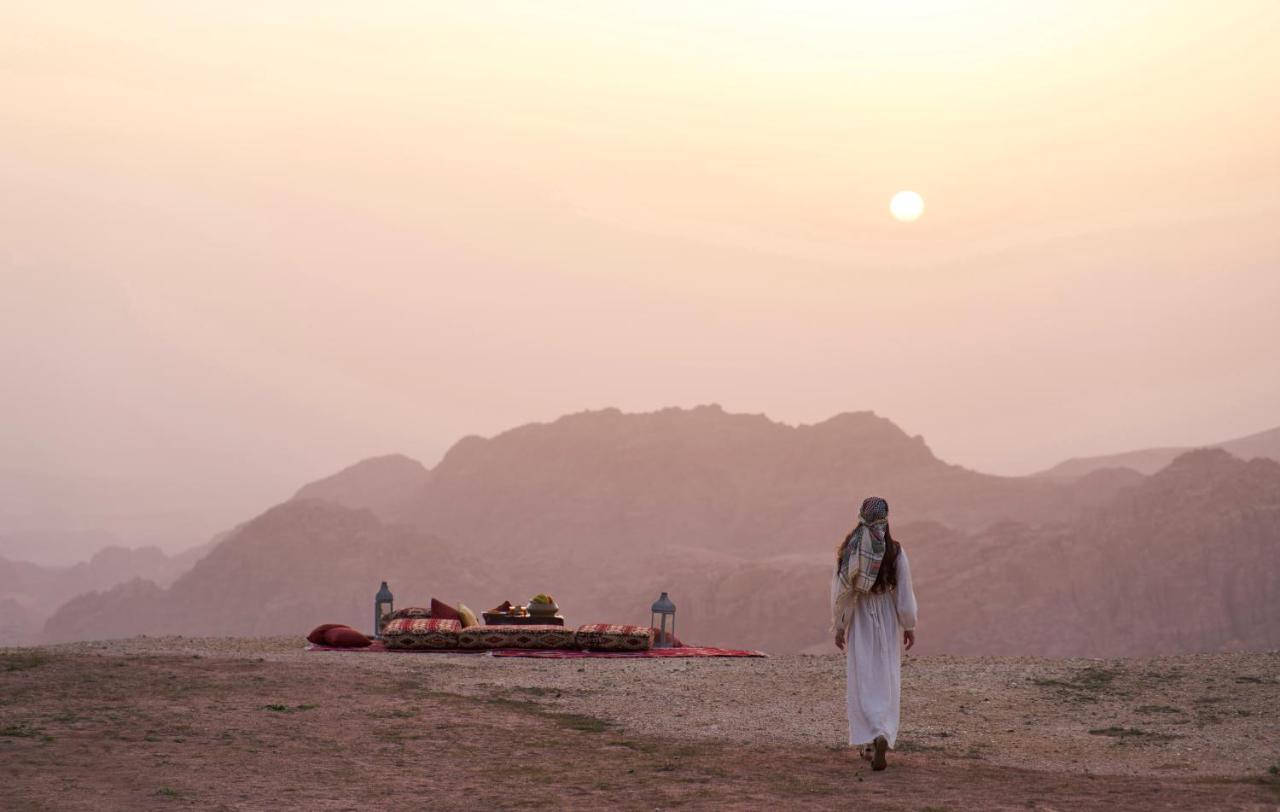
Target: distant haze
x,y
243,245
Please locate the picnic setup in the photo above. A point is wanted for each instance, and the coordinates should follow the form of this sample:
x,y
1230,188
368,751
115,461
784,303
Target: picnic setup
x,y
532,629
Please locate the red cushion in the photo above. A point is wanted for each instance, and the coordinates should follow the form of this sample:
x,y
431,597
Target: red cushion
x,y
345,637
317,634
444,611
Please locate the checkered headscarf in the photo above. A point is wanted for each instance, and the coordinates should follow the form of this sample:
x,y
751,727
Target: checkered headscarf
x,y
862,553
874,509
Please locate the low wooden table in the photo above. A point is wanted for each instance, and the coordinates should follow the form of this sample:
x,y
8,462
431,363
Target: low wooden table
x,y
498,619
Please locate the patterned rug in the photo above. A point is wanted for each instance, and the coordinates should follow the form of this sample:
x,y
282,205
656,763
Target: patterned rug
x,y
683,651
559,654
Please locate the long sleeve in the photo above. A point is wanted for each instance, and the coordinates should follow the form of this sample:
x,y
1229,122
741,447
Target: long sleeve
x,y
906,598
839,613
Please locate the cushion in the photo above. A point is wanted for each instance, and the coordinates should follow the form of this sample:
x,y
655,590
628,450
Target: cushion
x,y
421,633
532,636
345,637
317,634
611,637
410,611
469,618
444,610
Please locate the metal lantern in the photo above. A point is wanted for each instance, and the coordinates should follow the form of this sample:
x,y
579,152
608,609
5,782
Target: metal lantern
x,y
663,620
382,608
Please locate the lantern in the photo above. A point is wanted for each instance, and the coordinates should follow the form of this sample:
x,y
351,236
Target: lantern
x,y
382,608
663,619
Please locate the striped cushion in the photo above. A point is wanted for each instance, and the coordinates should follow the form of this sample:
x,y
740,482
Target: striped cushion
x,y
611,637
533,636
421,633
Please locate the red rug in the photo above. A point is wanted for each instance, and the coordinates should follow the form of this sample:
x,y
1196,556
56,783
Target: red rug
x,y
560,654
683,651
377,646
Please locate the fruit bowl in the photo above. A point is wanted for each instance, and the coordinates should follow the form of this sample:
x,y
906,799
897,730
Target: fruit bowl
x,y
543,608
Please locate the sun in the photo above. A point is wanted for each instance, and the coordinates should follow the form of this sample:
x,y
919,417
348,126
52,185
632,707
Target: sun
x,y
906,206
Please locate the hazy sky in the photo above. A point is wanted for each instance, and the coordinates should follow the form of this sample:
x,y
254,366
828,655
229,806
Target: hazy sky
x,y
245,244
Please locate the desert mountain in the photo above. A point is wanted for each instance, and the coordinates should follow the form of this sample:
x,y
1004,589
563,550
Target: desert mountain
x,y
274,575
58,521
1149,460
738,518
379,483
1188,561
29,593
704,478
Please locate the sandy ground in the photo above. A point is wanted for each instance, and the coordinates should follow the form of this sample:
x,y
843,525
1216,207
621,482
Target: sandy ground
x,y
261,724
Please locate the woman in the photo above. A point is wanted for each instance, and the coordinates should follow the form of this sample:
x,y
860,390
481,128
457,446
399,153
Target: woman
x,y
873,608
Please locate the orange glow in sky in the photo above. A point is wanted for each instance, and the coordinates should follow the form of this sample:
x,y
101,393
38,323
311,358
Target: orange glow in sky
x,y
249,243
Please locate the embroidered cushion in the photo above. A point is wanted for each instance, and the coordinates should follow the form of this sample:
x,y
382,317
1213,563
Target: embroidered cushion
x,y
444,610
611,637
410,611
532,636
345,637
421,633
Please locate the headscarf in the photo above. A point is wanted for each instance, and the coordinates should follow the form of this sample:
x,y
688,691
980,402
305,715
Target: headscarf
x,y
859,562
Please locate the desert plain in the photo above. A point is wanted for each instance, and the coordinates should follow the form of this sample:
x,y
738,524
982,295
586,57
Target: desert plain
x,y
262,724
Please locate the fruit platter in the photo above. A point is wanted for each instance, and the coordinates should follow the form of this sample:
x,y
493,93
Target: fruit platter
x,y
541,609
542,605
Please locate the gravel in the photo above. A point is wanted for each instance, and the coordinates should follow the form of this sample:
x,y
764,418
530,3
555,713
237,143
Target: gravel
x,y
1130,716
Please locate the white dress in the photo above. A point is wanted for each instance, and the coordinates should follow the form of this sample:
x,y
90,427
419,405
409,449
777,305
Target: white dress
x,y
873,656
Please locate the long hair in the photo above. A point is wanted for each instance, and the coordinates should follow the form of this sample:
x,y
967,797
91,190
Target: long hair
x,y
887,578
